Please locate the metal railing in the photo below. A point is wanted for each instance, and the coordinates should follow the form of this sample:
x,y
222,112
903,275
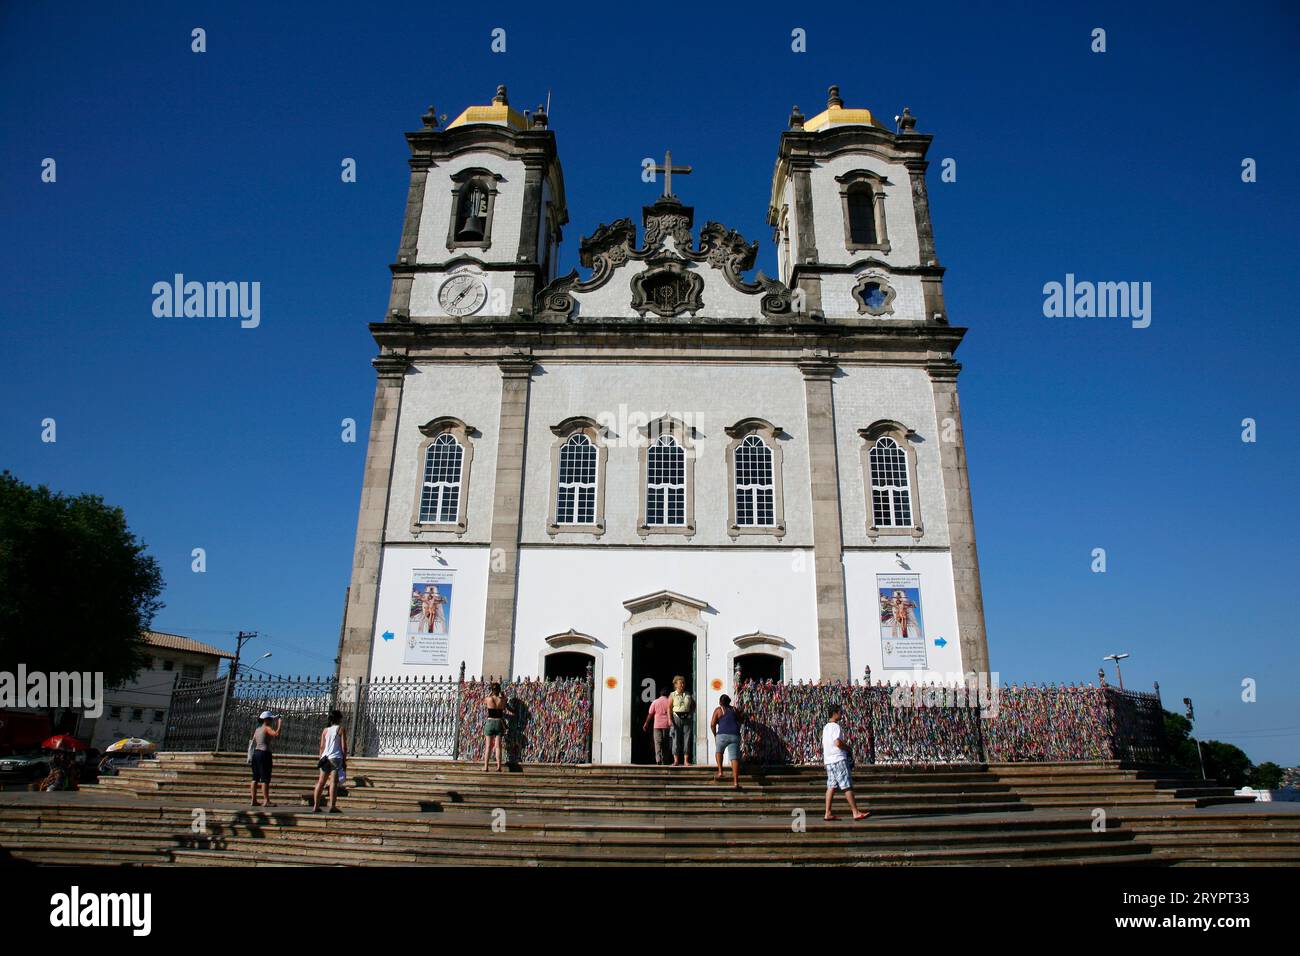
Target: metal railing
x,y
385,716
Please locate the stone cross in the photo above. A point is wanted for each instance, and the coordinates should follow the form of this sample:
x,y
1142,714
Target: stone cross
x,y
668,169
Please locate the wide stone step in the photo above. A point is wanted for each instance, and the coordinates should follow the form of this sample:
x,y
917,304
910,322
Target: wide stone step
x,y
514,853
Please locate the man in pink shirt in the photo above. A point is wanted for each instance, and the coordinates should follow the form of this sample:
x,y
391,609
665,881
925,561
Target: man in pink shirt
x,y
661,712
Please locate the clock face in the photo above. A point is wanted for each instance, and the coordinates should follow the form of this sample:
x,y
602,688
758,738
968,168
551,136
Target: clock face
x,y
462,294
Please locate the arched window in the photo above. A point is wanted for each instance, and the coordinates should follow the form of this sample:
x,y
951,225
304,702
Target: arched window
x,y
577,474
754,458
755,488
862,215
665,491
576,503
862,195
442,491
471,217
891,492
889,467
473,198
440,494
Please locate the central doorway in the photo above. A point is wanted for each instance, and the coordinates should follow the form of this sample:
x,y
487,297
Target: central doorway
x,y
658,655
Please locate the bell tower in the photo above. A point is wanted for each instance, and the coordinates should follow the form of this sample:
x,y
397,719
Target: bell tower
x,y
852,219
484,216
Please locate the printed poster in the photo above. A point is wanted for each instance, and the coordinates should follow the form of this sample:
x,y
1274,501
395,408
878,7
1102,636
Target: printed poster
x,y
428,628
902,628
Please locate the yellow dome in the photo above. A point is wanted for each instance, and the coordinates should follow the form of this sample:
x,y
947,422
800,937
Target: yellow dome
x,y
836,115
498,113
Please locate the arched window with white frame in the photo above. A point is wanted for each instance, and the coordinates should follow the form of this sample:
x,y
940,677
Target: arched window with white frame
x,y
667,478
441,494
754,457
665,492
755,489
576,503
889,468
578,465
891,492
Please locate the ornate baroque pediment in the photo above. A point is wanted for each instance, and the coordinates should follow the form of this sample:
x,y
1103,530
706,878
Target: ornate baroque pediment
x,y
668,286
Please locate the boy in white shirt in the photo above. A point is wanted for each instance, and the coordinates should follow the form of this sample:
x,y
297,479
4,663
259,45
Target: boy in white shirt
x,y
835,754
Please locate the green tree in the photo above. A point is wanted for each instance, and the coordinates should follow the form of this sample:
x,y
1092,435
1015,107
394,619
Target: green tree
x,y
77,588
1182,748
1227,763
1267,776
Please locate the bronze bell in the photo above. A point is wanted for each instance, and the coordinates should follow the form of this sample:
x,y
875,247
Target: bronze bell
x,y
473,215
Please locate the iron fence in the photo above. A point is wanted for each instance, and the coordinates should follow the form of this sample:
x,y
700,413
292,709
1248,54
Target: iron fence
x,y
384,716
906,723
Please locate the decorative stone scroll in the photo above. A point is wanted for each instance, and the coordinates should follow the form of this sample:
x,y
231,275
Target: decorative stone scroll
x,y
668,288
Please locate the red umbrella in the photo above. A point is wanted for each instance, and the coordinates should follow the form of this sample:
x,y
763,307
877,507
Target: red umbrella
x,y
63,742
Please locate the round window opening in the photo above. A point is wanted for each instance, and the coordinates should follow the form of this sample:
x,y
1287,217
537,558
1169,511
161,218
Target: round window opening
x,y
874,296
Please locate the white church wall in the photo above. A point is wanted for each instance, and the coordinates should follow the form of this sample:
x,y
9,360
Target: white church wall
x,y
838,300
865,395
584,589
471,393
424,293
828,211
707,397
469,565
938,613
507,211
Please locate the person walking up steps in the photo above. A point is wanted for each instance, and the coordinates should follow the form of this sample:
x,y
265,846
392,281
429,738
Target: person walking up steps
x,y
839,776
725,725
332,763
494,726
683,706
661,714
259,756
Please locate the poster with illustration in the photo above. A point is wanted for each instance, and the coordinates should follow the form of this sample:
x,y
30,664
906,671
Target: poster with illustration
x,y
428,627
902,629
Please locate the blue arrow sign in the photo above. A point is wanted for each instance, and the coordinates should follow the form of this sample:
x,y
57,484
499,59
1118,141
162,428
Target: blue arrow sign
x,y
387,635
940,642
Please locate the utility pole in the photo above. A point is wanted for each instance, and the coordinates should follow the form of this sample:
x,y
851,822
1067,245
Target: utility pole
x,y
243,638
1191,716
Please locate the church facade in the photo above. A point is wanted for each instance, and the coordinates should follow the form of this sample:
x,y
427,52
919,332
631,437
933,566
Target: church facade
x,y
654,465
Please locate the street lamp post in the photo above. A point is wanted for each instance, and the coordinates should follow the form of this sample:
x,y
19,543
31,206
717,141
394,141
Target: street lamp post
x,y
1118,673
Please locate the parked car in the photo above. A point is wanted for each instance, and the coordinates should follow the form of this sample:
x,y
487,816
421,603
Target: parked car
x,y
28,766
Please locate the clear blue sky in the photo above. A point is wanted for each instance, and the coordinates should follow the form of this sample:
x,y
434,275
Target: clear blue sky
x,y
1081,433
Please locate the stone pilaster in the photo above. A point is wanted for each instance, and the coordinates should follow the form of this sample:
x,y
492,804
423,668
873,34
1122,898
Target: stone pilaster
x,y
399,301
507,502
806,236
961,519
828,537
363,595
530,224
931,285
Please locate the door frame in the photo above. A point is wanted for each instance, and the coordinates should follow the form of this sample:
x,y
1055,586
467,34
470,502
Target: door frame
x,y
674,612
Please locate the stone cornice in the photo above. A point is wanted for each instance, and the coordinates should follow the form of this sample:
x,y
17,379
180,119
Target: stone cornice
x,y
413,268
915,342
390,366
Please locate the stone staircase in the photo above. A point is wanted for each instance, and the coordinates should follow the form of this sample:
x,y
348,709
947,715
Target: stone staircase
x,y
406,811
